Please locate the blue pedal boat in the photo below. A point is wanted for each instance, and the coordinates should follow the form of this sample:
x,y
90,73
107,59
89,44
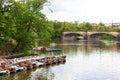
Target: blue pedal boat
x,y
53,50
17,68
4,72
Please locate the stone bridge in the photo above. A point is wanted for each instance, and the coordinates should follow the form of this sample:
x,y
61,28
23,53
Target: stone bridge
x,y
90,35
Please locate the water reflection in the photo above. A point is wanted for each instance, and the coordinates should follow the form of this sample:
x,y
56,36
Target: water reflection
x,y
85,61
89,46
42,74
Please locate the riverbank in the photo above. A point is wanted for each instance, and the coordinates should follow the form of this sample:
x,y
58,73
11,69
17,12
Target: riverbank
x,y
12,56
15,55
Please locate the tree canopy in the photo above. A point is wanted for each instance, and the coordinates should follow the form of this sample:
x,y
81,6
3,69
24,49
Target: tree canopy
x,y
21,23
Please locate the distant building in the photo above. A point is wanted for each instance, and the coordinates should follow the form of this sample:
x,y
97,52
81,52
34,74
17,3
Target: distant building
x,y
113,24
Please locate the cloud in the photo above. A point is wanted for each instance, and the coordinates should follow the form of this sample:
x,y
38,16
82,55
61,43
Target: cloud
x,y
56,6
84,10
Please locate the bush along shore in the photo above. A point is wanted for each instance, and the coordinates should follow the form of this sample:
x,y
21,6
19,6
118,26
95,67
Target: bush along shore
x,y
8,66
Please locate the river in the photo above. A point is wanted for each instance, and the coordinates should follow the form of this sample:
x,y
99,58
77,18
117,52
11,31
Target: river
x,y
85,61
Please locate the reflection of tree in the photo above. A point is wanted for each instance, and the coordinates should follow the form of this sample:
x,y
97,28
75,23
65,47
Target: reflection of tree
x,y
70,49
88,46
23,75
118,46
17,76
42,74
38,74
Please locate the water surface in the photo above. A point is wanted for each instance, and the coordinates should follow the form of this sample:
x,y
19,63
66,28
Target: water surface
x,y
85,61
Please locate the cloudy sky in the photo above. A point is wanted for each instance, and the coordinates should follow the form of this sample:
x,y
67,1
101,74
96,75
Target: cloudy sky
x,y
93,11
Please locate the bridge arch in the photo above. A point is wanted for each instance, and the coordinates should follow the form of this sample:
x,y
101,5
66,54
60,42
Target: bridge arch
x,y
73,35
99,36
115,34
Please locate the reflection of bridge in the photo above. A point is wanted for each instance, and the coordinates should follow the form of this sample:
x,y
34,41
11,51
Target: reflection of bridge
x,y
90,35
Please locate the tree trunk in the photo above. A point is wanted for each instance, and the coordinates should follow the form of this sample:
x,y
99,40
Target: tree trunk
x,y
16,47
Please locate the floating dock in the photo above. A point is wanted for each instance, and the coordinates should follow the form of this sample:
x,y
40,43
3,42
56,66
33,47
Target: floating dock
x,y
8,66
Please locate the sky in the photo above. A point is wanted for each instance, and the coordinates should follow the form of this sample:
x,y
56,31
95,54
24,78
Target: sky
x,y
93,11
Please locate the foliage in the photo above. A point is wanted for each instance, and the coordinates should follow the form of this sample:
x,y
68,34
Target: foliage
x,y
107,36
23,23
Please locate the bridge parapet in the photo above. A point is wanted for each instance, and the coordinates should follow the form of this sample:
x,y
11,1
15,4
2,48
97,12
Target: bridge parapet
x,y
87,34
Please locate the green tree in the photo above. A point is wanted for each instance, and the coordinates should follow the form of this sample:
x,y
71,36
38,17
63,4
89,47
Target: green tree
x,y
102,26
24,23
